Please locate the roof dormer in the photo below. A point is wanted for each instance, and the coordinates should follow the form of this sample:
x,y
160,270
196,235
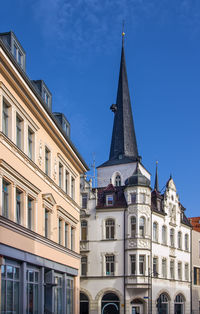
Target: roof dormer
x,y
63,121
44,92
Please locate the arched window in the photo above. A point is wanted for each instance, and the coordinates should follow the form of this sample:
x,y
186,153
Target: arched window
x,y
84,304
118,180
133,226
110,304
163,304
179,240
186,242
155,232
83,230
179,304
164,234
142,226
172,237
110,228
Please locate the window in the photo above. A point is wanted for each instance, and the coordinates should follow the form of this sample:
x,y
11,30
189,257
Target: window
x,y
133,227
118,180
46,223
172,269
172,237
58,294
163,303
18,206
72,238
133,264
141,264
66,182
186,242
83,265
19,131
110,265
60,231
10,289
187,272
32,278
5,198
70,295
46,97
142,226
30,213
30,143
66,235
84,201
179,270
155,267
133,198
60,175
164,235
18,55
164,268
83,230
155,232
110,229
47,161
142,198
179,304
72,187
109,200
5,119
179,240
196,276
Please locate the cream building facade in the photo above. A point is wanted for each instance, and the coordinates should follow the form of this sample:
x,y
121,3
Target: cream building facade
x,y
40,194
135,242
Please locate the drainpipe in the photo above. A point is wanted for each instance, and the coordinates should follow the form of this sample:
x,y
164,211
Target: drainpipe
x,y
124,262
151,265
191,270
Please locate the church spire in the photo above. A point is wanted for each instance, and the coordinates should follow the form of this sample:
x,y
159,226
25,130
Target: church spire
x,y
156,186
123,144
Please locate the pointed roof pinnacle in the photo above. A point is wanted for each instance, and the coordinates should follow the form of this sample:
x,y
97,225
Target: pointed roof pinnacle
x,y
156,186
123,144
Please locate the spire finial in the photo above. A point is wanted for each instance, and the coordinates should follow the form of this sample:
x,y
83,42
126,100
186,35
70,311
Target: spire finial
x,y
156,187
123,34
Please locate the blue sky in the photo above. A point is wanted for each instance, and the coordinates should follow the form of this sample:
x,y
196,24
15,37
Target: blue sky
x,y
75,47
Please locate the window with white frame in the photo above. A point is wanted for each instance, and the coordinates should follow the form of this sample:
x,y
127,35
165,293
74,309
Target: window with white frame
x,y
19,132
164,268
66,182
5,118
110,265
83,230
186,242
83,265
141,264
155,266
179,270
109,200
18,205
110,229
30,143
5,198
47,160
32,284
179,240
118,180
133,226
72,238
84,201
133,197
72,188
155,232
142,198
30,212
47,223
164,234
133,264
60,175
60,231
186,271
18,55
172,269
142,226
66,234
172,237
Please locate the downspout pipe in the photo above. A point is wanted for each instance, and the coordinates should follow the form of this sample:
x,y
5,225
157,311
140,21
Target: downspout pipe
x,y
124,262
191,270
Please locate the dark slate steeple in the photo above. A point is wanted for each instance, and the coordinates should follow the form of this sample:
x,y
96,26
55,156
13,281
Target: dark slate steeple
x,y
156,186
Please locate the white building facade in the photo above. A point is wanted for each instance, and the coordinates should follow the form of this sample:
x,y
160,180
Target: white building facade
x,y
135,242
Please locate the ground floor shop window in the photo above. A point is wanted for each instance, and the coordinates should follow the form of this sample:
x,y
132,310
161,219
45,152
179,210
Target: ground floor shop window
x,y
32,283
137,306
70,295
58,308
110,304
84,304
10,289
163,304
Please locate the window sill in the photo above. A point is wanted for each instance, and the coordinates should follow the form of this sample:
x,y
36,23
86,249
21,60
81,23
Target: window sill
x,y
108,239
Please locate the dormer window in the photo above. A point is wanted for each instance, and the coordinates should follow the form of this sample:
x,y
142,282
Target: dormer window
x,y
46,97
109,200
18,55
118,180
